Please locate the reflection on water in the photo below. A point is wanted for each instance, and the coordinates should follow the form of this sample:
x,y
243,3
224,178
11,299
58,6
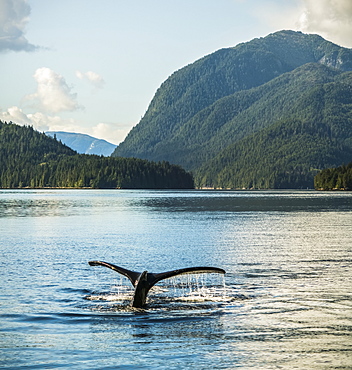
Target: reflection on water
x,y
287,302
54,202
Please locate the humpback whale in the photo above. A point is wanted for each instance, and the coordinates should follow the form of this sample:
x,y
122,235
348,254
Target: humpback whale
x,y
144,281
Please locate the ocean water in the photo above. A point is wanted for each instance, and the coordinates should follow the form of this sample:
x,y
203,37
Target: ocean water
x,y
285,301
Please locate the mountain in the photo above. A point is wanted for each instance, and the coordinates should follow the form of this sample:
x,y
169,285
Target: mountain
x,y
32,159
310,131
83,143
247,116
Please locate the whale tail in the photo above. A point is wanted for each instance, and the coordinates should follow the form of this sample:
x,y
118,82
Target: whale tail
x,y
144,281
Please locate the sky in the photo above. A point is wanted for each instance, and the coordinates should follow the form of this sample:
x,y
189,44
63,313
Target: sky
x,y
93,66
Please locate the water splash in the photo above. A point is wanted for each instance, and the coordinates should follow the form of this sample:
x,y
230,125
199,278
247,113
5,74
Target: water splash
x,y
196,287
189,288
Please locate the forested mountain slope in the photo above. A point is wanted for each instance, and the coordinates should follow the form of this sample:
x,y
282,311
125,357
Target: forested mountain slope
x,y
219,103
29,158
339,178
315,132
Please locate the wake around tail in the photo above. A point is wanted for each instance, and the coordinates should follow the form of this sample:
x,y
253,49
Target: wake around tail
x,y
144,281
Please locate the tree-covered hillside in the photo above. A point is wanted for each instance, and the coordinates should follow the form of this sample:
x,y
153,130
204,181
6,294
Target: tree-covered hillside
x,y
339,178
236,116
32,159
315,133
230,99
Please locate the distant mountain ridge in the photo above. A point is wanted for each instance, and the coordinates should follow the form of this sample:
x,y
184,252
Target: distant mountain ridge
x,y
207,116
31,159
83,143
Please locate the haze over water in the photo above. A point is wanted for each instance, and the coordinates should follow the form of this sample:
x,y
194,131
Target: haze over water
x,y
287,302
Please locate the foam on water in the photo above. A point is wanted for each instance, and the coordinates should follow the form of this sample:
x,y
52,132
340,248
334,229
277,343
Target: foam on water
x,y
183,288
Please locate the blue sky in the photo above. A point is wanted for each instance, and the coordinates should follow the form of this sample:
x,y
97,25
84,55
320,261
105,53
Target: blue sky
x,y
93,66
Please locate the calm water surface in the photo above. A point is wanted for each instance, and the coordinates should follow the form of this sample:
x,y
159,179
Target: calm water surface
x,y
287,302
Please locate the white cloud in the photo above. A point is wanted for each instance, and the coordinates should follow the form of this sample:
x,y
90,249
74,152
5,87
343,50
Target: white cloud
x,y
101,130
53,95
38,120
16,115
330,18
110,132
43,122
14,15
94,78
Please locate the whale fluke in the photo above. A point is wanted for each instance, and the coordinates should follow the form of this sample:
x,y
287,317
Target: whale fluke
x,y
144,281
